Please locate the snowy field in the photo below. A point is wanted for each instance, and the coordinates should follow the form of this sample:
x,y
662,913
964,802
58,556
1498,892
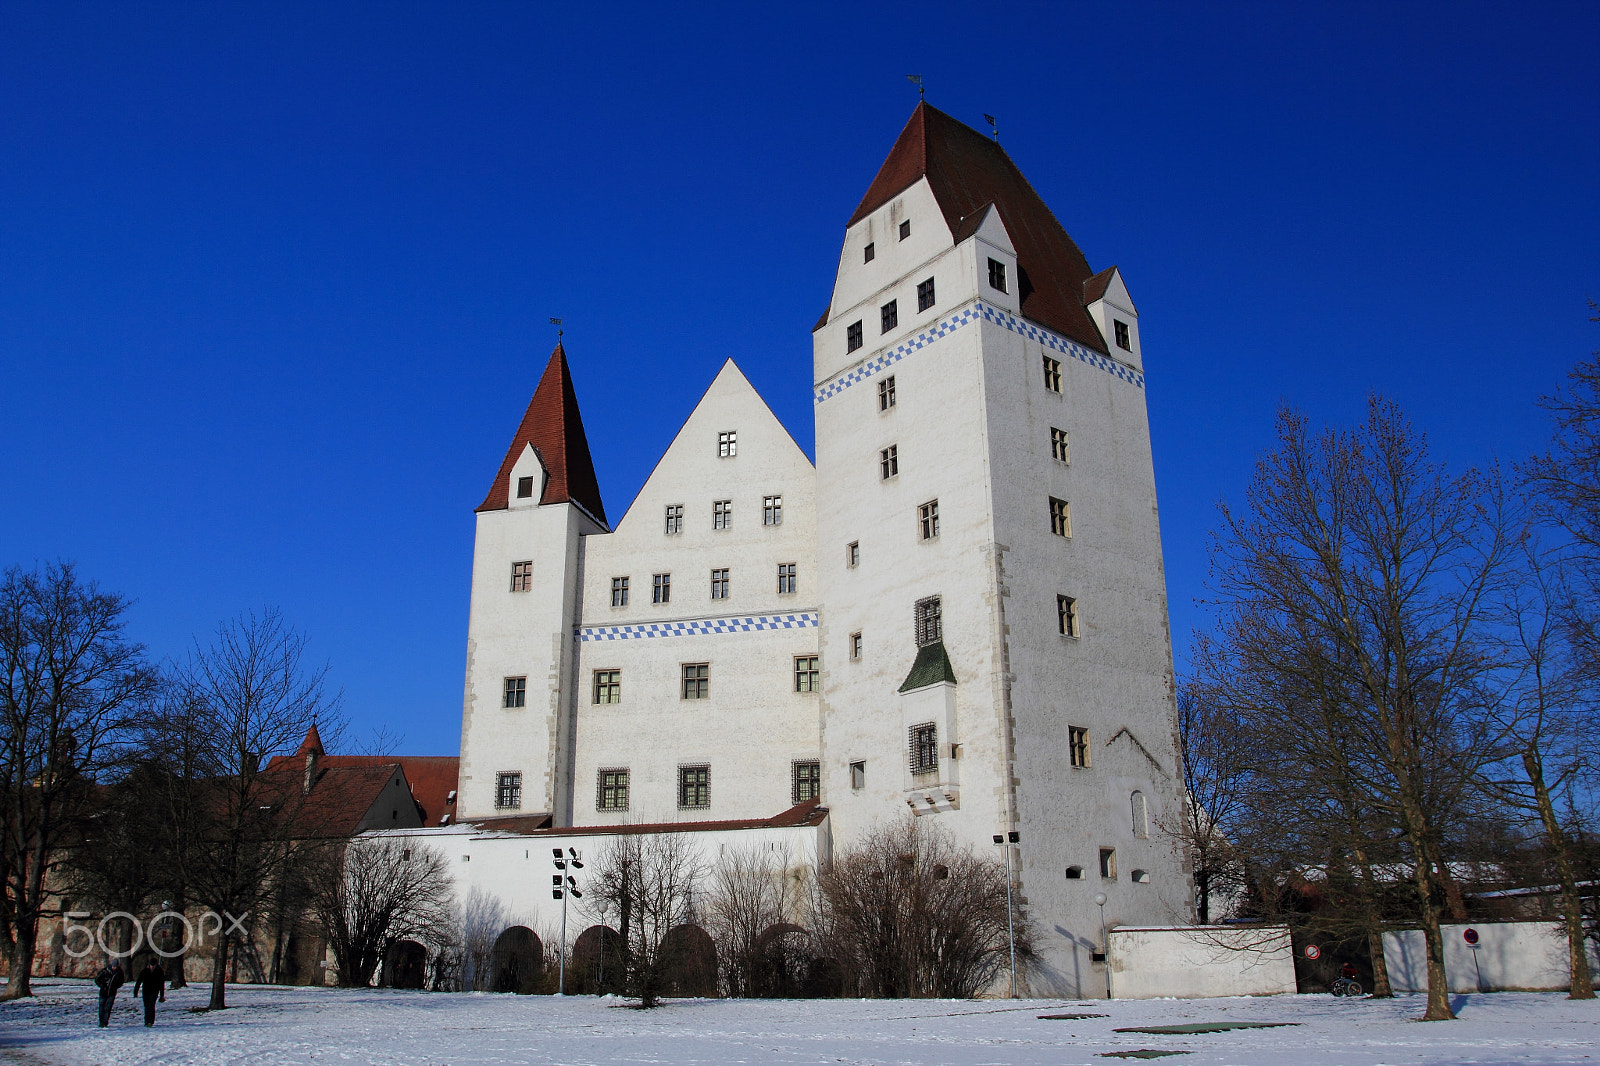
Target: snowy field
x,y
293,1026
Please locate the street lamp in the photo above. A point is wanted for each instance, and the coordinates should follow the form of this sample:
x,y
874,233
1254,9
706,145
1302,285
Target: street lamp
x,y
1105,943
1005,842
563,885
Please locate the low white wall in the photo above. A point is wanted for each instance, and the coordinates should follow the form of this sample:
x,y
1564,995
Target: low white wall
x,y
1190,962
1509,956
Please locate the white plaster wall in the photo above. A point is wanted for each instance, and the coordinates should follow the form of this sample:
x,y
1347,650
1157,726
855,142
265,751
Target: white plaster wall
x,y
1521,956
1200,961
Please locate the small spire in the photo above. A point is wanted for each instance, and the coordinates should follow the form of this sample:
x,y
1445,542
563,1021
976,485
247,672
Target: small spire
x,y
556,322
916,79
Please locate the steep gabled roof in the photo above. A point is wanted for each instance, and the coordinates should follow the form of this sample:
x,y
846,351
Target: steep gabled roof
x,y
968,171
432,778
1095,288
555,429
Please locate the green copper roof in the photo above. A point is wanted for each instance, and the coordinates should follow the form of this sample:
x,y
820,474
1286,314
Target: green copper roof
x,y
932,666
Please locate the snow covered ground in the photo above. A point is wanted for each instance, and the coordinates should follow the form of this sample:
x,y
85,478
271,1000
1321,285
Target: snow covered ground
x,y
294,1026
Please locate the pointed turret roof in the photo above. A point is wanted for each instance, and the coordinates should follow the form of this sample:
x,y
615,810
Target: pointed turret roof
x,y
312,744
967,172
555,429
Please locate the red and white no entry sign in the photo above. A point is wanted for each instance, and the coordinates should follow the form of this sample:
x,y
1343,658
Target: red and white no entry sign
x,y
1313,952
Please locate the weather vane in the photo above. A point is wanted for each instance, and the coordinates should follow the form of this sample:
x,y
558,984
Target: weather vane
x,y
992,127
916,79
556,322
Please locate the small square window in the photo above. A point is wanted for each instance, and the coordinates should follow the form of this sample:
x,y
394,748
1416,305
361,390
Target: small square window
x,y
772,510
786,579
858,775
1058,446
852,554
889,462
619,592
928,519
720,584
1078,746
1060,517
613,791
524,488
806,675
852,337
1052,374
869,253
522,576
508,790
674,518
608,686
929,619
1108,863
905,229
516,692
694,786
889,313
886,397
997,275
855,646
924,294
696,681
1123,341
807,781
924,748
722,514
661,588
1067,615
727,444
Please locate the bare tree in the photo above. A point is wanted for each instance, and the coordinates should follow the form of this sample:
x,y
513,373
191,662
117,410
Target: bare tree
x,y
483,918
372,892
750,904
70,684
646,884
1216,780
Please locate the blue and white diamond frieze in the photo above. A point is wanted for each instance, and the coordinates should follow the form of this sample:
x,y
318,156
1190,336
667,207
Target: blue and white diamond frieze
x,y
700,627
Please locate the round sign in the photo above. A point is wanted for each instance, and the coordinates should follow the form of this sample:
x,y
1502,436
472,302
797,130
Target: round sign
x,y
1469,935
1313,952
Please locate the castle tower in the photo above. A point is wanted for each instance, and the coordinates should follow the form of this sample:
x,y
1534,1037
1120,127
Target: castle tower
x,y
516,727
994,637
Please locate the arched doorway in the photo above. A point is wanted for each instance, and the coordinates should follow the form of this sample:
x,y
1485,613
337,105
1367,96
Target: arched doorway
x,y
405,965
517,962
597,965
783,957
689,962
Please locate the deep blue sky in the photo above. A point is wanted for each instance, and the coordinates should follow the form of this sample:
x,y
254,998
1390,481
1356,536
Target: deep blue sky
x,y
274,279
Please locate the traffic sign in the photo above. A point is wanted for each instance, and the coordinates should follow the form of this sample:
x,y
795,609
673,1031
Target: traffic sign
x,y
1470,936
1313,952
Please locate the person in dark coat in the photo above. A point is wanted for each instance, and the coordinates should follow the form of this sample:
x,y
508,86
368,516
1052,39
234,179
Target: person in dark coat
x,y
108,981
152,982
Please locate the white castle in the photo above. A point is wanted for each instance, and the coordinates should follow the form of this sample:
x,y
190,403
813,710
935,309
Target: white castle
x,y
958,614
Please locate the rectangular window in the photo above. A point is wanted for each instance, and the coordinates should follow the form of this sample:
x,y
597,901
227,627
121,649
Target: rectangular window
x,y
696,681
613,791
516,692
694,786
508,791
728,444
929,618
852,554
889,462
1052,374
786,578
1060,517
924,748
722,514
674,518
855,645
772,510
1108,863
1123,341
1067,615
608,686
852,337
924,294
719,584
889,314
858,775
905,229
869,253
807,781
928,519
886,393
524,488
806,675
1078,746
522,576
1058,446
661,588
619,592
997,275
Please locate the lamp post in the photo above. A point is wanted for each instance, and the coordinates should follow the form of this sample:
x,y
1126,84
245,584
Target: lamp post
x,y
1005,842
1105,942
562,885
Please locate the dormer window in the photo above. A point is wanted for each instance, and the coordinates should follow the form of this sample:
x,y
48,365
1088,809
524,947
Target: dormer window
x,y
905,229
524,488
869,253
1122,336
997,275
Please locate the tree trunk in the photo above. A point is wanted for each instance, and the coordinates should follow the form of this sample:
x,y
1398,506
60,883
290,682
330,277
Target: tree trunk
x,y
1582,981
1438,983
219,974
1381,989
1202,886
20,983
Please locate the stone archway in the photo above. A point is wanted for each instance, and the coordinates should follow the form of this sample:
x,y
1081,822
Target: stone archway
x,y
405,965
783,959
596,966
689,962
517,962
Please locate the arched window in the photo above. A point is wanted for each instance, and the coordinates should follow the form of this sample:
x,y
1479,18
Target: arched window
x,y
1074,873
1141,816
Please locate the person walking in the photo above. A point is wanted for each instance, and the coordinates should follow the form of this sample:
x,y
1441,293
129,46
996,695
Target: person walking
x,y
108,981
152,982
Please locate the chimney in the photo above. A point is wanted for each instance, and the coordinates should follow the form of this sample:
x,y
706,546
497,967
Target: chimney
x,y
311,772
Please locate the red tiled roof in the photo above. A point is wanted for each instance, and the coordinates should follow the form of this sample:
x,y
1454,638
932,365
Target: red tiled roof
x,y
432,777
968,171
555,429
340,798
312,743
809,813
1095,288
